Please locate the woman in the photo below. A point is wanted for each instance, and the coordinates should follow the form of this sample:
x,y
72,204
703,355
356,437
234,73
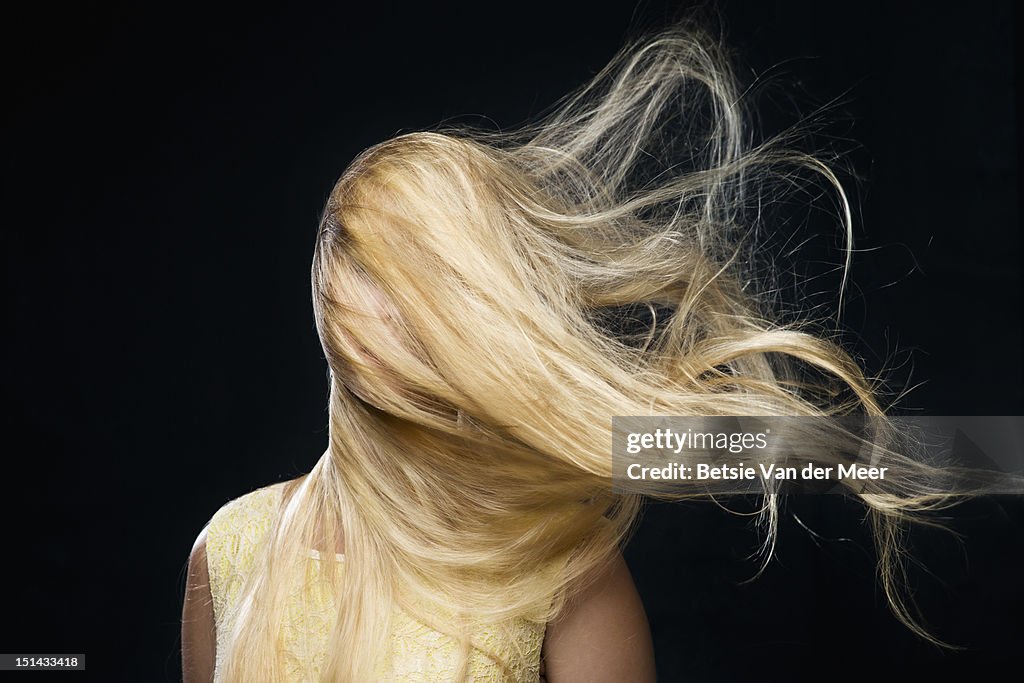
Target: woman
x,y
477,297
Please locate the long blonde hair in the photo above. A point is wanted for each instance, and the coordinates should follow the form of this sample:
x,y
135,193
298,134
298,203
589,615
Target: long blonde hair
x,y
462,283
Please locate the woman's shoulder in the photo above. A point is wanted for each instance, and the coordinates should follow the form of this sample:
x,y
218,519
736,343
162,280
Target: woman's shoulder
x,y
243,521
234,534
248,510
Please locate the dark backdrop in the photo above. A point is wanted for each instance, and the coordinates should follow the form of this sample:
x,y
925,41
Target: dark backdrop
x,y
164,167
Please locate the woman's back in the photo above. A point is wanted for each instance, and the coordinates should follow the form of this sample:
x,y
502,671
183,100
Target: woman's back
x,y
416,652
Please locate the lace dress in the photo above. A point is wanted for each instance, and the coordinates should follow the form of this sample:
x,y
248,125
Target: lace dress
x,y
416,652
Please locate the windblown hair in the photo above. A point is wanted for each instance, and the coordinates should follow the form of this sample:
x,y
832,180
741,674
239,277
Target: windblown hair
x,y
470,290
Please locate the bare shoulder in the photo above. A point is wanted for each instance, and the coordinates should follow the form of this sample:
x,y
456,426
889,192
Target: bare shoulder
x,y
197,556
198,623
602,634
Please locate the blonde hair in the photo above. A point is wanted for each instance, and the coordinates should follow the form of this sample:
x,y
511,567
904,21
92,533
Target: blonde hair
x,y
462,284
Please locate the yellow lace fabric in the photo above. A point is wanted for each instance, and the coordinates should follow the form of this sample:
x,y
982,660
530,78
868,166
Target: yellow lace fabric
x,y
416,653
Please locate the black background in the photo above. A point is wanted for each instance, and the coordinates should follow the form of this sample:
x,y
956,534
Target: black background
x,y
164,168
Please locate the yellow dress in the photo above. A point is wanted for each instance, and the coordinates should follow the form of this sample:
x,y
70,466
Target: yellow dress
x,y
416,652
